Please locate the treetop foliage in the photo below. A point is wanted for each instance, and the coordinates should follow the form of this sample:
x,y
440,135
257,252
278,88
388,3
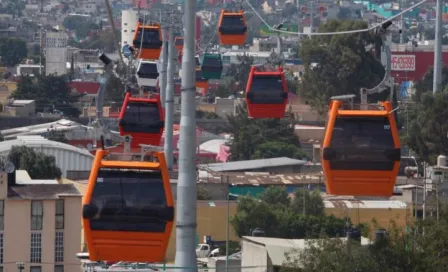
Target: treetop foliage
x,y
12,51
282,217
262,138
49,92
37,164
338,64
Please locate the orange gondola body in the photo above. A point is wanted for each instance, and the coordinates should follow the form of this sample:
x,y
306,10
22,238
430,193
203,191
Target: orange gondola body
x,y
179,43
128,210
361,151
266,94
150,43
232,28
142,119
200,81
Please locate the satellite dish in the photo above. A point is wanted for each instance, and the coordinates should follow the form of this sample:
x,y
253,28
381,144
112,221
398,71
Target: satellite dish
x,y
9,167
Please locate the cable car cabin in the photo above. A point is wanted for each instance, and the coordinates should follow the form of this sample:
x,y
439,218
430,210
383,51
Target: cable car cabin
x,y
147,73
211,66
149,39
200,81
142,119
179,43
361,151
232,28
128,210
266,94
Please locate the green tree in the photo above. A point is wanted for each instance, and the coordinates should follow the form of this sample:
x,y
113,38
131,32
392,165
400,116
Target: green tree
x,y
12,51
426,83
103,41
307,202
427,126
240,72
49,92
203,193
80,25
338,64
261,138
37,164
206,115
274,213
57,136
115,91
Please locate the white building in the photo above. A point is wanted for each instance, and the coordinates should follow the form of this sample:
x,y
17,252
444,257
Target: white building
x,y
56,53
129,20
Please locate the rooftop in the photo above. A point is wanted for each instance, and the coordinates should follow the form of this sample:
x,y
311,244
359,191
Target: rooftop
x,y
60,125
42,191
250,164
260,178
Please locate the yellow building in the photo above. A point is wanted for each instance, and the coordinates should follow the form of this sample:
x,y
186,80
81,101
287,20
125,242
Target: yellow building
x,y
6,89
34,228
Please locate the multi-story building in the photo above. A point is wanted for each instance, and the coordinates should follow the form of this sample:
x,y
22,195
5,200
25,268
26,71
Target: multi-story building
x,y
40,226
56,53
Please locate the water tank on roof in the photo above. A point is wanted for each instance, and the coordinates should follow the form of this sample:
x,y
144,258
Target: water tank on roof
x,y
354,234
257,232
441,160
380,234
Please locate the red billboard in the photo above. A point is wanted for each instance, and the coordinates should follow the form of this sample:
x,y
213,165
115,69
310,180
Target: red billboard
x,y
412,66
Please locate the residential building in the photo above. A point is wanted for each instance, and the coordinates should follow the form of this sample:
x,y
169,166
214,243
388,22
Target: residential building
x,y
56,53
34,228
6,89
20,108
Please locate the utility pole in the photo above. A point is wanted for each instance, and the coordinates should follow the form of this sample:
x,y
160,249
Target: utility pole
x,y
437,82
402,23
186,188
169,100
41,49
227,225
424,190
163,67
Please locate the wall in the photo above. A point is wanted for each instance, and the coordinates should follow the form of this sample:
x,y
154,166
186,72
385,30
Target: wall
x,y
254,255
211,221
423,62
6,88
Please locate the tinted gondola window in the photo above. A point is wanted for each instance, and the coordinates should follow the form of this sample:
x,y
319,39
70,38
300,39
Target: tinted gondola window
x,y
212,62
179,42
267,85
362,143
141,117
199,75
149,35
148,70
129,200
232,21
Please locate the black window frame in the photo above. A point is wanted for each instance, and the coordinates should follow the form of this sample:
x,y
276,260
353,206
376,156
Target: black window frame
x,y
2,215
58,268
60,214
36,247
35,268
59,247
37,218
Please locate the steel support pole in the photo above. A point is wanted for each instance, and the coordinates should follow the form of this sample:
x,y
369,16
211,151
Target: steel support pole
x,y
169,100
186,187
437,82
163,67
228,225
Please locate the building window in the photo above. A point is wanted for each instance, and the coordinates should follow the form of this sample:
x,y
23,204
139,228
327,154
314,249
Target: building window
x,y
2,214
35,269
60,214
37,213
59,247
36,248
58,268
1,248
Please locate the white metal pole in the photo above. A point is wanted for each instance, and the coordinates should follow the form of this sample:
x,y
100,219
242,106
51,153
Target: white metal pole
x,y
163,67
437,82
186,187
169,100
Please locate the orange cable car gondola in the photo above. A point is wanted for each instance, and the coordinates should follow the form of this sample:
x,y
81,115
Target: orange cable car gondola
x,y
149,38
232,28
179,43
200,81
266,94
128,210
361,151
142,119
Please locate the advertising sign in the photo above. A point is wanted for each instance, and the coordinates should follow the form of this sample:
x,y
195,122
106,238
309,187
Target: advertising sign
x,y
403,62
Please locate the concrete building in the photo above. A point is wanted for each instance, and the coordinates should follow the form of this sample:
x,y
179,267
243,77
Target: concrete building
x,y
56,53
20,108
34,228
129,19
68,157
264,254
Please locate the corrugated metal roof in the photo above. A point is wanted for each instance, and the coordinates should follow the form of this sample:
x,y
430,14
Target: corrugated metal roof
x,y
260,178
277,248
365,204
68,157
213,146
60,125
250,164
